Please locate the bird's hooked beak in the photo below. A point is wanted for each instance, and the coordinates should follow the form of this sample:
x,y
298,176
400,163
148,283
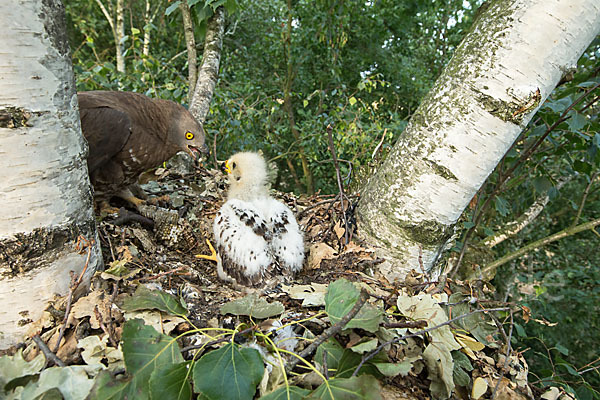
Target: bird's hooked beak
x,y
197,153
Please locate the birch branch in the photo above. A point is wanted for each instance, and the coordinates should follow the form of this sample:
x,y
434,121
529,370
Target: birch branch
x,y
539,243
516,226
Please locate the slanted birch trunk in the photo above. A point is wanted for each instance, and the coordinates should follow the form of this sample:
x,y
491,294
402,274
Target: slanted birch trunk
x,y
514,56
45,193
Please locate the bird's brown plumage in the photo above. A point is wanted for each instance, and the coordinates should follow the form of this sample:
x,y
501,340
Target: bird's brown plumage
x,y
129,133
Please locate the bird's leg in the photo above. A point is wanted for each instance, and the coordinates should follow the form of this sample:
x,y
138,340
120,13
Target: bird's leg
x,y
126,195
104,208
212,257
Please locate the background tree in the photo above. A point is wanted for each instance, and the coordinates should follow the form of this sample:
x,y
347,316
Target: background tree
x,y
45,190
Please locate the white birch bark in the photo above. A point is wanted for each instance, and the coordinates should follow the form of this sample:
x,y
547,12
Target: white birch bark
x,y
208,73
120,29
45,195
503,70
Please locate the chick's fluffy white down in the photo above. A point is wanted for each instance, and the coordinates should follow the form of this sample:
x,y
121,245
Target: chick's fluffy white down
x,y
257,239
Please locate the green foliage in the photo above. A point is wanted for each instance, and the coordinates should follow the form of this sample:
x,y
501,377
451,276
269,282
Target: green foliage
x,y
146,299
339,300
228,373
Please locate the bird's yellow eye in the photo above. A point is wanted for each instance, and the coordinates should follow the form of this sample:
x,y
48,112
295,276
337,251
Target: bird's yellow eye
x,y
189,135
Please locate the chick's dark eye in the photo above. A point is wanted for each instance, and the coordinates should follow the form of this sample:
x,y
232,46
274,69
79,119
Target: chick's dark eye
x,y
233,165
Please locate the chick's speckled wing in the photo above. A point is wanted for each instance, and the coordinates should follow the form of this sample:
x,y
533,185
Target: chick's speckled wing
x,y
242,237
287,243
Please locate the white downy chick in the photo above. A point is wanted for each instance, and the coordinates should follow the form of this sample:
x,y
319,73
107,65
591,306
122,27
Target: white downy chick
x,y
257,237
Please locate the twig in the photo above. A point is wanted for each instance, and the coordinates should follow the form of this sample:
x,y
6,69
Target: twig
x,y
339,181
47,352
103,326
507,356
217,341
406,324
320,203
584,198
110,246
373,353
329,332
157,276
81,244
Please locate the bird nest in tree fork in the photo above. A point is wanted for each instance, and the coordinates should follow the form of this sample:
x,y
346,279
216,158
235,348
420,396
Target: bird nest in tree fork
x,y
150,261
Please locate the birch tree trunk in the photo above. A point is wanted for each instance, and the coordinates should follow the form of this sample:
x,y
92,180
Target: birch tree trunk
x,y
503,70
208,73
190,44
44,187
117,28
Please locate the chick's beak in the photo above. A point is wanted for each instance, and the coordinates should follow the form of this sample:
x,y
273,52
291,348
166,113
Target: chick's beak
x,y
225,167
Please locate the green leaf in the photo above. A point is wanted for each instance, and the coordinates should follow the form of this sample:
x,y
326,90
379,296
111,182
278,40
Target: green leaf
x,y
171,381
440,368
502,206
365,346
172,7
333,351
146,299
350,360
135,31
72,382
542,184
468,224
582,166
228,373
577,121
558,105
287,393
253,306
352,100
339,300
305,103
563,350
144,350
106,387
365,387
462,364
13,367
392,369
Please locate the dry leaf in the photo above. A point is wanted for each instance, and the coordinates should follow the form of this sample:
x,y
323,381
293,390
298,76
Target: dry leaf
x,y
318,252
480,386
469,344
339,230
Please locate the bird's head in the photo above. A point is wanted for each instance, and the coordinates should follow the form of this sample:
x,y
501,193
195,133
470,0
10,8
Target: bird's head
x,y
247,173
189,135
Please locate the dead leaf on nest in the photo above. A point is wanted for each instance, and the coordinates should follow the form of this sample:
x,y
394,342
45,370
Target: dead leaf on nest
x,y
84,307
159,321
480,386
339,230
318,252
312,295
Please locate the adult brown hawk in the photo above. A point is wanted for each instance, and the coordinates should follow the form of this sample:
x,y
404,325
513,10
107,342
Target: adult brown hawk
x,y
257,236
129,133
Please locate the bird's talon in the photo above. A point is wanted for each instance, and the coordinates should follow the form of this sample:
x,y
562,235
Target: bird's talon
x,y
212,257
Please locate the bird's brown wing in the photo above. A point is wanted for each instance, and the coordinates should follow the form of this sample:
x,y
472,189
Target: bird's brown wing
x,y
98,118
